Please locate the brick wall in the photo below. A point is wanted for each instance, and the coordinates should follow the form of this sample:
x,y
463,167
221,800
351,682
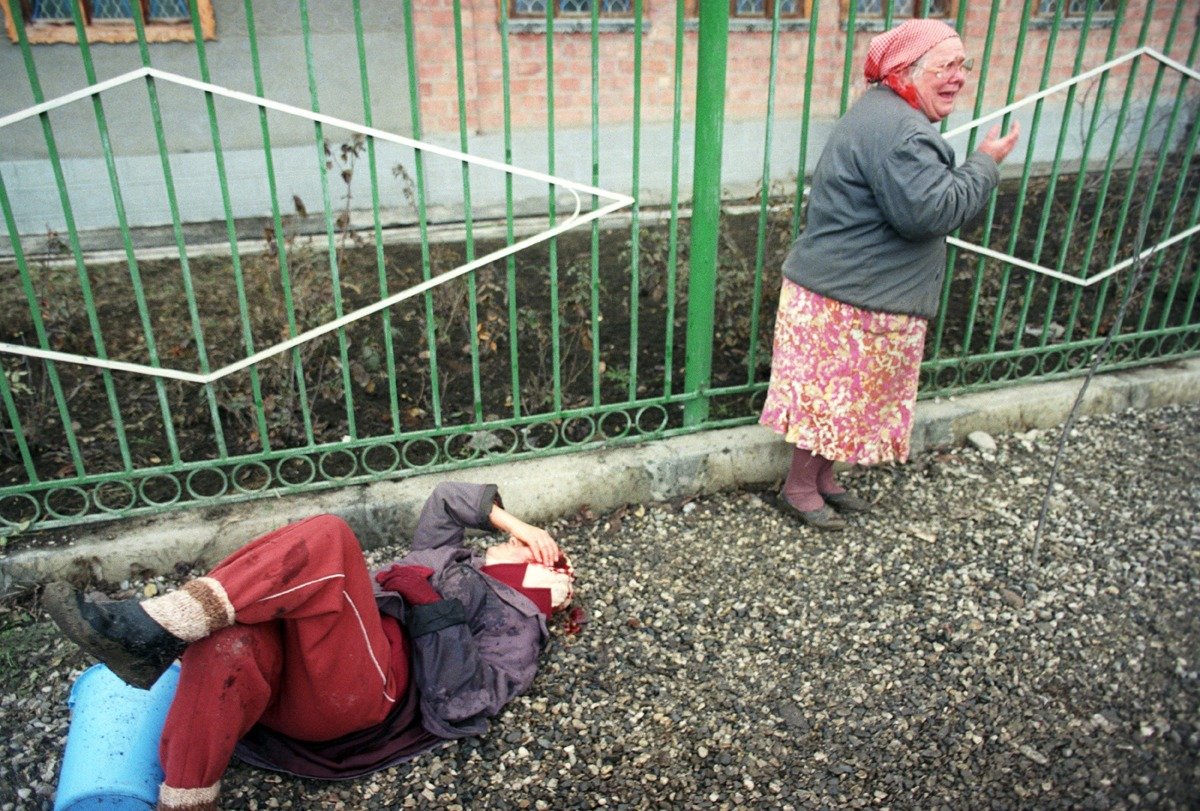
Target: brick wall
x,y
748,66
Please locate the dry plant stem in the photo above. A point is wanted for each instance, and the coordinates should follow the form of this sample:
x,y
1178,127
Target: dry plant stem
x,y
1098,357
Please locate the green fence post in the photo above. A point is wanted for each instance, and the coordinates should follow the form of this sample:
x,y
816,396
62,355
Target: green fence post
x,y
706,204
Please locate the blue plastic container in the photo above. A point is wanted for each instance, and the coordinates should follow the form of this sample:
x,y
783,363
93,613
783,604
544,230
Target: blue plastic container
x,y
111,760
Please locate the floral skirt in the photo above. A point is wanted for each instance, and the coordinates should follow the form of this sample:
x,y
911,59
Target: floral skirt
x,y
843,379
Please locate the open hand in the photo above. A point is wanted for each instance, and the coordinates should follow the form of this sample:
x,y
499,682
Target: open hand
x,y
997,147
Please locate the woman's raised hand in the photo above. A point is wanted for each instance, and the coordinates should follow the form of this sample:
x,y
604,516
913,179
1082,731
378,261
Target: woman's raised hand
x,y
997,147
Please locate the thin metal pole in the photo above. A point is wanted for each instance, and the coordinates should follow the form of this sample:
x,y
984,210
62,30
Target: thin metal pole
x,y
331,241
635,225
385,316
510,262
763,203
281,242
468,217
555,325
673,228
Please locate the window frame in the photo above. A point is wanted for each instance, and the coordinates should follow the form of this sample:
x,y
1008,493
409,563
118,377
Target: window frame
x,y
560,15
1069,17
803,11
871,19
114,31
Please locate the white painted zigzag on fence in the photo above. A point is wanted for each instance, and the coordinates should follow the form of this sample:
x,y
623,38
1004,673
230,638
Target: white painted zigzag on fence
x,y
615,201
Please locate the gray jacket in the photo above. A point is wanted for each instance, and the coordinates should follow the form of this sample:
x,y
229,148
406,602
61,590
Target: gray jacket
x,y
476,649
884,196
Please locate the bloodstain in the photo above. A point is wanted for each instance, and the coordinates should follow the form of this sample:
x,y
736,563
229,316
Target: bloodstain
x,y
294,562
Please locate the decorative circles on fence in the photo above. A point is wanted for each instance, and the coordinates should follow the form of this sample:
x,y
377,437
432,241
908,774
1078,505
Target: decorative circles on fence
x,y
477,444
419,453
507,440
380,459
114,497
1078,357
1147,347
206,483
999,370
461,447
67,502
1171,344
651,419
337,464
296,471
539,436
947,377
19,511
615,424
1051,362
1025,366
251,477
579,430
161,490
756,401
976,373
1122,352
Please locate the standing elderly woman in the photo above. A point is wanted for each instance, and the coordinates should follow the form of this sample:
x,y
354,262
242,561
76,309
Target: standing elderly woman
x,y
865,275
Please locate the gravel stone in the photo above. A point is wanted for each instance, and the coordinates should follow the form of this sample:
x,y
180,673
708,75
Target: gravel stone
x,y
982,440
731,658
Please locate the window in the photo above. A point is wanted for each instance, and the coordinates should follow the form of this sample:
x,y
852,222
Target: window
x,y
904,9
1076,8
766,8
49,21
570,8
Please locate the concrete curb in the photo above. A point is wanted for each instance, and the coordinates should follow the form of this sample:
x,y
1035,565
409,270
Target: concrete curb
x,y
543,489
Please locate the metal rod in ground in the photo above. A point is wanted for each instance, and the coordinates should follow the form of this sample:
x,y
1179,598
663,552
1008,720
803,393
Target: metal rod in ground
x,y
1098,358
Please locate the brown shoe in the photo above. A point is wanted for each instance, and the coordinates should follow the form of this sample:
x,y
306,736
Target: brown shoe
x,y
847,502
824,518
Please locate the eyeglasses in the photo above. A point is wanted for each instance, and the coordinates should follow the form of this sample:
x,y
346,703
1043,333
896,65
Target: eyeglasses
x,y
950,68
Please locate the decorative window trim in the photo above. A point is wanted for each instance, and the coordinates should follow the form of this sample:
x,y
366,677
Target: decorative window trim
x,y
1071,23
803,15
1044,20
756,25
575,25
579,17
112,31
873,23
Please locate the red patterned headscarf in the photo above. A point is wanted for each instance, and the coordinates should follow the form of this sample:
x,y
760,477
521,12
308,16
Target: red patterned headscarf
x,y
900,47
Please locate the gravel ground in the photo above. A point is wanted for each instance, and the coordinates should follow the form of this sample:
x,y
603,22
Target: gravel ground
x,y
732,658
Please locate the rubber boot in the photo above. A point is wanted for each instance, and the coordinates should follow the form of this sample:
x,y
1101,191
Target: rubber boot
x,y
118,633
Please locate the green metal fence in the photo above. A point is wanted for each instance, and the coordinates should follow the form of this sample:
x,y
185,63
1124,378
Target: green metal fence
x,y
649,322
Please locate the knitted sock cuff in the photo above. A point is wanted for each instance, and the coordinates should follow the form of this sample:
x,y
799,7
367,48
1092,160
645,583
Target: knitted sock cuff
x,y
188,799
194,611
